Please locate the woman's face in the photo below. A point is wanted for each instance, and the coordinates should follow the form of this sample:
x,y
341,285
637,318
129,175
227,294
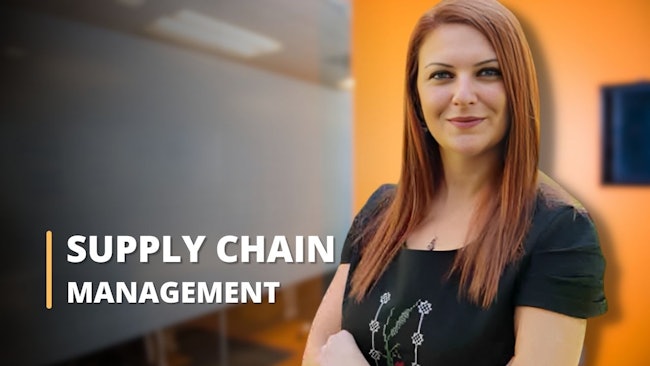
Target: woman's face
x,y
461,91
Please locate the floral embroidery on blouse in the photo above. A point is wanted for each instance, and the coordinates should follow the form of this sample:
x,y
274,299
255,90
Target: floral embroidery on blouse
x,y
391,352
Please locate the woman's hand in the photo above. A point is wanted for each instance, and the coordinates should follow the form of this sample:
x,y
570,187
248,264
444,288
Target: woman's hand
x,y
341,350
328,317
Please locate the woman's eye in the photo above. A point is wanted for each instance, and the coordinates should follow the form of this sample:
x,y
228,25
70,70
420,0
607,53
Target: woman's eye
x,y
492,71
438,75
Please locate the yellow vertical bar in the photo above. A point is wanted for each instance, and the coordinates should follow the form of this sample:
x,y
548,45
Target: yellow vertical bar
x,y
48,269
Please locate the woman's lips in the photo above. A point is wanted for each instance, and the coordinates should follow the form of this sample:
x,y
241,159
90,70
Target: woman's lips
x,y
465,122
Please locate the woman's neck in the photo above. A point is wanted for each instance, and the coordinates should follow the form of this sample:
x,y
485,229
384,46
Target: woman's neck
x,y
465,178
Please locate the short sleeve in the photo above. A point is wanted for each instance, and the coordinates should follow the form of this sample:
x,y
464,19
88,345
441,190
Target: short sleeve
x,y
370,209
565,269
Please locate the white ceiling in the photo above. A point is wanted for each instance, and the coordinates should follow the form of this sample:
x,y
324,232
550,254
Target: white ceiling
x,y
315,34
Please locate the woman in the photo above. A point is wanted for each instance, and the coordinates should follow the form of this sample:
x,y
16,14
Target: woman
x,y
473,258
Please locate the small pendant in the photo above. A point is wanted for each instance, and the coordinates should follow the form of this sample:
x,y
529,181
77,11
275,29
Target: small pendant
x,y
432,243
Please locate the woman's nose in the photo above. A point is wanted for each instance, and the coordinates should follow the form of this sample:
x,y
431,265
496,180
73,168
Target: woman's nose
x,y
464,92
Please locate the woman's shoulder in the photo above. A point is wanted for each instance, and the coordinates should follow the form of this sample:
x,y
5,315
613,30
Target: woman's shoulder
x,y
558,215
563,265
365,220
385,192
552,197
377,202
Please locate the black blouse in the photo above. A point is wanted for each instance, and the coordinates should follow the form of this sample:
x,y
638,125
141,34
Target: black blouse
x,y
414,315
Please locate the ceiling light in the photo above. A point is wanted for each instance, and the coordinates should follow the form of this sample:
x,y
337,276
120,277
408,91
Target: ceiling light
x,y
346,84
131,3
188,26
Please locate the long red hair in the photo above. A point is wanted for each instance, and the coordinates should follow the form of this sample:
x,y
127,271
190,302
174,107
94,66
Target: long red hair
x,y
509,205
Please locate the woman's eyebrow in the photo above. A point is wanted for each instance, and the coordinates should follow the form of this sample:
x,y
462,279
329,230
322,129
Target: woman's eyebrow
x,y
486,62
438,64
450,66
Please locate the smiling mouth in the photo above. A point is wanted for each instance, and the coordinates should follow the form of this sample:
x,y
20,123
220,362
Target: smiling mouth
x,y
466,121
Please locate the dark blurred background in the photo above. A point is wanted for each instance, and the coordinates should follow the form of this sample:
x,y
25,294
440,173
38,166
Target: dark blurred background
x,y
136,117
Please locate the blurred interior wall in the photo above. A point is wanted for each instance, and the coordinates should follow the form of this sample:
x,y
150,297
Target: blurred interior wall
x,y
104,133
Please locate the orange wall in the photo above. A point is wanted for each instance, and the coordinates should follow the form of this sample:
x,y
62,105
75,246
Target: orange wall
x,y
582,46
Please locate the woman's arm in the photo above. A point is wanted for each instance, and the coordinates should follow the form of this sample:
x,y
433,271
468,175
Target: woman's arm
x,y
328,317
547,338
